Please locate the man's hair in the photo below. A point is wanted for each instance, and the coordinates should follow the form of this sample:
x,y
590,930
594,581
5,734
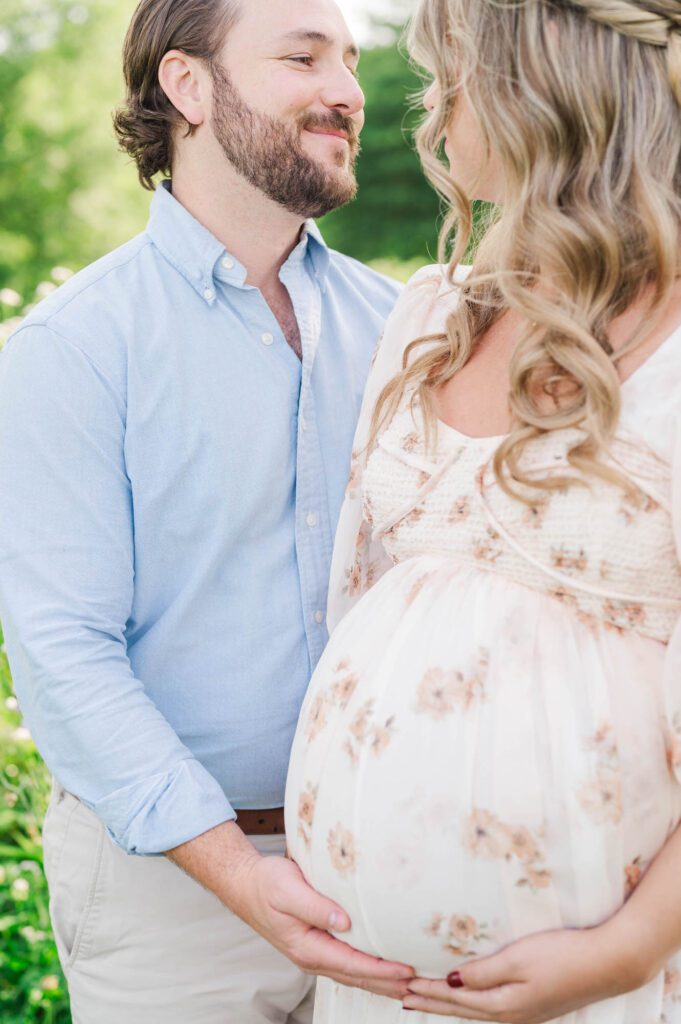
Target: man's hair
x,y
145,124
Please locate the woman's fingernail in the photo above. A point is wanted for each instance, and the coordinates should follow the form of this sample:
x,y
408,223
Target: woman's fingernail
x,y
454,980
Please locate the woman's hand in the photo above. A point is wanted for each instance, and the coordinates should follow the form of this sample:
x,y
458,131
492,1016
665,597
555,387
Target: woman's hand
x,y
540,977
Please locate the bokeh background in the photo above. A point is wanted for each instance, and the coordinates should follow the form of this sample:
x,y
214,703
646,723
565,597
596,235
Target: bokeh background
x,y
66,198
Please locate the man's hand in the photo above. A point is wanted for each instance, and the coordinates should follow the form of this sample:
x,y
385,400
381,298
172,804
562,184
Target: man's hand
x,y
271,895
536,979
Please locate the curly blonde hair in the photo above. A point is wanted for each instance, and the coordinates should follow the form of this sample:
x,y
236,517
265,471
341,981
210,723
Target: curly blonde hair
x,y
580,101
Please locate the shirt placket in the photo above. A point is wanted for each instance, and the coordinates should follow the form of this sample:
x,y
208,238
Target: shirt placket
x,y
314,538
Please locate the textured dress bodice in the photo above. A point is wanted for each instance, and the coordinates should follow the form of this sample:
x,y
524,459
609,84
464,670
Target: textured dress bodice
x,y
608,553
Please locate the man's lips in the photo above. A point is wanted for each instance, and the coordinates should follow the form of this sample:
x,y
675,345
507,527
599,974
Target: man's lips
x,y
337,132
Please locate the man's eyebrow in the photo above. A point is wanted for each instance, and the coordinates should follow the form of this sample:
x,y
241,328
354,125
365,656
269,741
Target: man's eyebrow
x,y
314,36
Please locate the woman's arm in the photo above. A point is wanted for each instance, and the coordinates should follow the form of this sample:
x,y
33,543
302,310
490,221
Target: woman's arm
x,y
549,974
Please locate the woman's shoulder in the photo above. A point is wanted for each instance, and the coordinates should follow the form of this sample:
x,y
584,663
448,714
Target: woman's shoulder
x,y
427,299
437,276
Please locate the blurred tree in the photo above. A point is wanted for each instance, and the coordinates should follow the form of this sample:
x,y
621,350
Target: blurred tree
x,y
65,195
396,213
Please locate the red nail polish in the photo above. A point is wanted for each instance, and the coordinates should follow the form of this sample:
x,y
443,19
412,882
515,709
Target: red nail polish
x,y
454,980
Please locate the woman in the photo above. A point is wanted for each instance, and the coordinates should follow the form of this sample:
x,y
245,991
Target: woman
x,y
487,769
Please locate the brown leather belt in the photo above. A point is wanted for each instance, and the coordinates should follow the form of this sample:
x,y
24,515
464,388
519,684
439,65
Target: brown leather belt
x,y
269,822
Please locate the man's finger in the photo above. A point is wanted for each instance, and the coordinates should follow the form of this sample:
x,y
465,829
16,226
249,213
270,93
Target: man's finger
x,y
397,990
300,900
331,956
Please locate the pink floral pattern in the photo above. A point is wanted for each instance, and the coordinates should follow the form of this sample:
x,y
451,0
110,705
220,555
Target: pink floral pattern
x,y
622,616
460,511
631,505
488,548
460,934
342,851
336,695
601,798
569,561
672,984
306,809
443,691
633,873
366,732
485,835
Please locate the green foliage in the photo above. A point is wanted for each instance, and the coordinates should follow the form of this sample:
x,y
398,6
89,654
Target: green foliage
x,y
32,987
66,196
396,212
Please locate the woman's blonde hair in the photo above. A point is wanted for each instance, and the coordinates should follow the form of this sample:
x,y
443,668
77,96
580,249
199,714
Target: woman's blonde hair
x,y
580,102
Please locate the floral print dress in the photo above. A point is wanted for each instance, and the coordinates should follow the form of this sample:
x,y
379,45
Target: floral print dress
x,y
491,743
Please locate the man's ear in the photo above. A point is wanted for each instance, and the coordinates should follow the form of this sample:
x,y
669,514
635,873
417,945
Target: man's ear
x,y
185,82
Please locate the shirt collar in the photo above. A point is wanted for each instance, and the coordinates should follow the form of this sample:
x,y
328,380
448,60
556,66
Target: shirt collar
x,y
318,250
198,255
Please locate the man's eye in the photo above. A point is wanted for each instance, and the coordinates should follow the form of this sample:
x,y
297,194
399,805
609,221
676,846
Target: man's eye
x,y
302,60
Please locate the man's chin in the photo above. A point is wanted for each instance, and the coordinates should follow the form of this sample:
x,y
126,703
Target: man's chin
x,y
340,189
327,203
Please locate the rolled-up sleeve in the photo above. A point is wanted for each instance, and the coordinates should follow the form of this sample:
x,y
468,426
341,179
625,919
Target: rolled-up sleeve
x,y
66,594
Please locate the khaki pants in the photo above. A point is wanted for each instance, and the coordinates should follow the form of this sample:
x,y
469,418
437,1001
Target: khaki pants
x,y
142,943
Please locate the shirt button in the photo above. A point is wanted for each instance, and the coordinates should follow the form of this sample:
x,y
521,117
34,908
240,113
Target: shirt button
x,y
227,263
208,294
319,617
267,338
311,519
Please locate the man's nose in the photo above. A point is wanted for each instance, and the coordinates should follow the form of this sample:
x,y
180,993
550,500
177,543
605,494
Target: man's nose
x,y
344,94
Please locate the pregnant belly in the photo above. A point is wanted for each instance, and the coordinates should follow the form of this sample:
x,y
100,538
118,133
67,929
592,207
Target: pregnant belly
x,y
472,765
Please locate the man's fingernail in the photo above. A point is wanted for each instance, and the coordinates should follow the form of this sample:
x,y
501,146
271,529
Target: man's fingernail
x,y
454,980
334,919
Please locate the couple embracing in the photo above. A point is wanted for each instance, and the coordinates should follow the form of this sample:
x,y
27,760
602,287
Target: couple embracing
x,y
465,802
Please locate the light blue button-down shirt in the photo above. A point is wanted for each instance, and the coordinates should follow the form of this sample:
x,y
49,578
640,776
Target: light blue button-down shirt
x,y
170,481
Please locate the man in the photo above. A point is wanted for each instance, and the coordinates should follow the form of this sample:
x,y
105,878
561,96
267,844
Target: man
x,y
175,433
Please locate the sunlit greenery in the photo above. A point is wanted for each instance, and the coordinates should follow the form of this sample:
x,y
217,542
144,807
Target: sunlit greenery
x,y
32,987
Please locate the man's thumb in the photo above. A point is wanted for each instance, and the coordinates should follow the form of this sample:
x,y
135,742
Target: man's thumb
x,y
316,910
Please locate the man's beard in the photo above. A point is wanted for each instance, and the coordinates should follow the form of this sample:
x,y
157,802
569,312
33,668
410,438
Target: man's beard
x,y
270,156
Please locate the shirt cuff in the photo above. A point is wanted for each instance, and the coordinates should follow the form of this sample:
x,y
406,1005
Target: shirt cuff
x,y
164,811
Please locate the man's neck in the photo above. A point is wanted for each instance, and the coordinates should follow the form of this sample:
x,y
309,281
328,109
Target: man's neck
x,y
258,232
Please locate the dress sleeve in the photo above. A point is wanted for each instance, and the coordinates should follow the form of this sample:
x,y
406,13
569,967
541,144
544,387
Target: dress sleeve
x,y
672,666
359,559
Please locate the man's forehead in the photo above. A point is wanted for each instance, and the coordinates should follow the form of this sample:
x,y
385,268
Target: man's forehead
x,y
301,21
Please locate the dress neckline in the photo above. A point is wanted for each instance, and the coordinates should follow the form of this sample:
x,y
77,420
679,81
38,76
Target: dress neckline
x,y
632,379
